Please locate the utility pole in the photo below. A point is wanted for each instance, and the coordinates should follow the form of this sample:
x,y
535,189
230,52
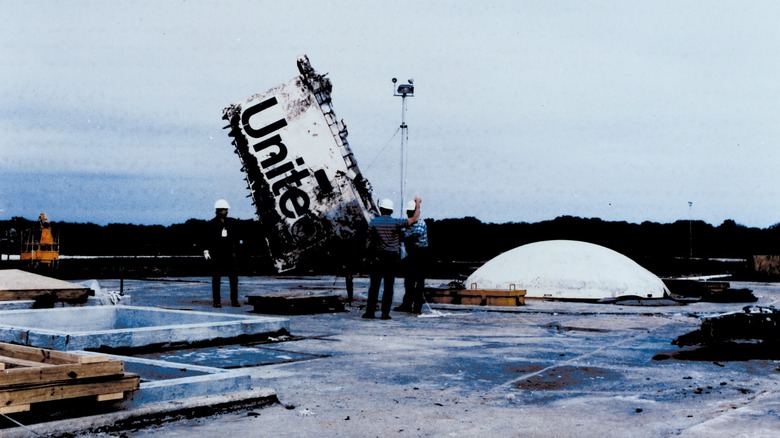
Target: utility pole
x,y
690,231
403,91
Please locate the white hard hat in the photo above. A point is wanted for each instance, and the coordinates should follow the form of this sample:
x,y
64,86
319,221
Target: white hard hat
x,y
220,204
411,206
386,204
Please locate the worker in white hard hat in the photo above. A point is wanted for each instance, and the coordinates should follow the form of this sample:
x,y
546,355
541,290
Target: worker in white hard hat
x,y
384,246
221,247
415,242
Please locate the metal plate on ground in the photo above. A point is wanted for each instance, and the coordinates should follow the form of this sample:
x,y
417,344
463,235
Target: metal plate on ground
x,y
230,356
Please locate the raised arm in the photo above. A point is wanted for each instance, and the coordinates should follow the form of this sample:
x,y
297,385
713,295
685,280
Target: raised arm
x,y
416,216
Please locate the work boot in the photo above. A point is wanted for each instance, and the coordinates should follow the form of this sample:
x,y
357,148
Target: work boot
x,y
218,305
385,316
235,304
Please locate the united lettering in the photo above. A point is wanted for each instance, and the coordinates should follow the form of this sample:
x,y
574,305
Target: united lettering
x,y
283,174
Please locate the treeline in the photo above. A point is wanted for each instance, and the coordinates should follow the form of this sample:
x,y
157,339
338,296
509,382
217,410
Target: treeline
x,y
669,250
465,242
468,238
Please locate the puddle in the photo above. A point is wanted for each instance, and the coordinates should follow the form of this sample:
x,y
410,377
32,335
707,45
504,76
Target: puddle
x,y
568,377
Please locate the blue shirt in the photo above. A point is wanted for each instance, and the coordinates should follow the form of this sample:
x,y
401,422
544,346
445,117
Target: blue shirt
x,y
417,235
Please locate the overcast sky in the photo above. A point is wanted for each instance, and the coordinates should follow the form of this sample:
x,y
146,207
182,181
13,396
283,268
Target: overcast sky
x,y
110,112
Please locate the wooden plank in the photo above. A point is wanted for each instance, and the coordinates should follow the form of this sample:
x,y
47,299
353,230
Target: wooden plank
x,y
441,296
5,360
114,396
472,300
493,297
504,301
14,409
18,280
44,393
58,295
50,374
493,292
18,285
43,355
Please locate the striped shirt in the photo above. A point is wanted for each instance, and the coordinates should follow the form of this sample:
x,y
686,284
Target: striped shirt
x,y
385,232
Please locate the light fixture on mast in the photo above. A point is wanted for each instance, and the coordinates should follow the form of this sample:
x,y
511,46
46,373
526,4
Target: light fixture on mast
x,y
403,91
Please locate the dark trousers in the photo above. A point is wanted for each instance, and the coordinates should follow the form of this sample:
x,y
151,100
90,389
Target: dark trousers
x,y
414,281
383,269
224,267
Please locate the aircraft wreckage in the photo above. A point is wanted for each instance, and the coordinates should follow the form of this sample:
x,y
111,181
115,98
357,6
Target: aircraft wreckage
x,y
302,176
751,325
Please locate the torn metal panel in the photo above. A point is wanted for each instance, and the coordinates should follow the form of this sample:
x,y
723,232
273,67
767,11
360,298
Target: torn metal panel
x,y
708,291
754,324
301,173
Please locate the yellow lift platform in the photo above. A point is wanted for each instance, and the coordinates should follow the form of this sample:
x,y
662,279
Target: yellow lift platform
x,y
40,246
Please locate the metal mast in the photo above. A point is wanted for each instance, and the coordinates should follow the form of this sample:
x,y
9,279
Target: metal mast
x,y
403,91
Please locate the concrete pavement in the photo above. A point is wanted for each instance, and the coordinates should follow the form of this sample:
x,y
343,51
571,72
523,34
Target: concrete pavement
x,y
545,369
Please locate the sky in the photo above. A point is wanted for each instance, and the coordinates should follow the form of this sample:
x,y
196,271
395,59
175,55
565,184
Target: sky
x,y
524,111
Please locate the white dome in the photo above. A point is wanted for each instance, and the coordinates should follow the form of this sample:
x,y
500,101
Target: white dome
x,y
567,269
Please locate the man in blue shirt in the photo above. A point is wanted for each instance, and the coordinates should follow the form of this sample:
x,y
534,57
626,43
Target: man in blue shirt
x,y
384,243
416,261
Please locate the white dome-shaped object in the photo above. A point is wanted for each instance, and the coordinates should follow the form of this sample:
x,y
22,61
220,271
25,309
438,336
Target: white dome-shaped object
x,y
567,269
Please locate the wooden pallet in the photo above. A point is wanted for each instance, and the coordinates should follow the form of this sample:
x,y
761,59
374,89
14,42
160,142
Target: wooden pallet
x,y
493,297
477,297
30,375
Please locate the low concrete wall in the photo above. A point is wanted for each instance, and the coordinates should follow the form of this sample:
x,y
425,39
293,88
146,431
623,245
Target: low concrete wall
x,y
93,328
164,381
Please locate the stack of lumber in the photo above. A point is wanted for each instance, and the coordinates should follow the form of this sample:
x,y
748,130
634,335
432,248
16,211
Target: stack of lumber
x,y
20,285
30,375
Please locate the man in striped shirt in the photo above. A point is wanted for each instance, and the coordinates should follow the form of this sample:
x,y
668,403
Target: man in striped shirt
x,y
384,236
